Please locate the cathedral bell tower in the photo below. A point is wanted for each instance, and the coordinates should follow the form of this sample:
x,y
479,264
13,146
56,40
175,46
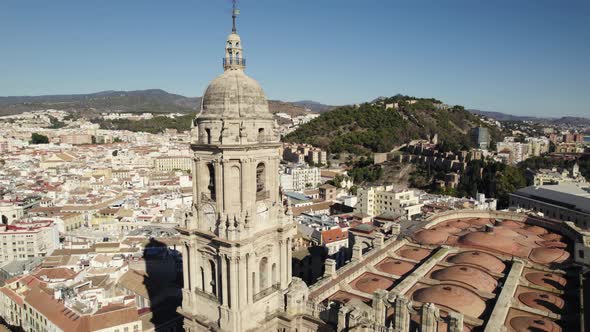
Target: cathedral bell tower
x,y
237,240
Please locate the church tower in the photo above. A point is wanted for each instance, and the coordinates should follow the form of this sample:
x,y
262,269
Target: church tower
x,y
237,241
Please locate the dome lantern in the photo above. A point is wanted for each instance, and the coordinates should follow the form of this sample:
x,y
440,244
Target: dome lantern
x,y
234,59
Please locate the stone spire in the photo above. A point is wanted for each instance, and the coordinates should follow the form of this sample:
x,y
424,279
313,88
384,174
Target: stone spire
x,y
234,59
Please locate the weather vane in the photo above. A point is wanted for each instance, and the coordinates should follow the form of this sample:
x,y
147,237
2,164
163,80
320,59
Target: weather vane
x,y
235,12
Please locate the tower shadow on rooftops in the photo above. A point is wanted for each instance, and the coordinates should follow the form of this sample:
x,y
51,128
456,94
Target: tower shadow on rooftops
x,y
163,283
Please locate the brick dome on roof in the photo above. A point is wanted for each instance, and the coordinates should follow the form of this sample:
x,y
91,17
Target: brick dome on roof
x,y
549,280
395,266
369,283
552,237
481,259
506,231
470,276
536,324
479,221
491,240
458,224
431,236
416,254
549,255
536,230
510,224
453,297
449,229
542,301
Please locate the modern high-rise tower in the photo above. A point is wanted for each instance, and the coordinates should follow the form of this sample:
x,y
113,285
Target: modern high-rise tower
x,y
237,242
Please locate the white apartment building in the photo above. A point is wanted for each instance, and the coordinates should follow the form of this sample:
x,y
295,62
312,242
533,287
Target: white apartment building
x,y
374,201
299,177
21,241
517,151
173,163
537,145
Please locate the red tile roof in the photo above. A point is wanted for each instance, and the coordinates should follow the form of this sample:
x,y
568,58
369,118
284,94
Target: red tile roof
x,y
333,235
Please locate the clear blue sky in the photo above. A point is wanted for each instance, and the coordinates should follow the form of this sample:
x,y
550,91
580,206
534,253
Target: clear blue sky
x,y
514,56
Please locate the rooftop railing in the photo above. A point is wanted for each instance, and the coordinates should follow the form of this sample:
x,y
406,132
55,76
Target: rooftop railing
x,y
234,61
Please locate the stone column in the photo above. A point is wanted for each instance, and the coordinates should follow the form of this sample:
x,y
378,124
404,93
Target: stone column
x,y
218,185
379,240
357,252
207,282
283,264
185,266
342,312
429,319
243,182
242,281
196,266
455,322
289,260
379,297
197,180
402,314
329,268
222,277
233,286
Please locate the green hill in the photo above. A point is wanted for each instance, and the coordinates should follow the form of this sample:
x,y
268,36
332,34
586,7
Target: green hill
x,y
372,127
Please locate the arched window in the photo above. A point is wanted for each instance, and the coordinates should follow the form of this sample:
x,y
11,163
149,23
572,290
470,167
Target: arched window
x,y
211,185
213,277
263,274
260,177
4,220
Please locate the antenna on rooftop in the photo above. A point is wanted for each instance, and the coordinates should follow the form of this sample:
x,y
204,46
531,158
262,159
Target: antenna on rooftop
x,y
234,14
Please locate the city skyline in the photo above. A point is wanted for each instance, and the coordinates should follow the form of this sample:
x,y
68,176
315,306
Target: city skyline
x,y
523,59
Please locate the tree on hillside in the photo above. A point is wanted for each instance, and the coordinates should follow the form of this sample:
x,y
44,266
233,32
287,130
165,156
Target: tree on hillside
x,y
39,139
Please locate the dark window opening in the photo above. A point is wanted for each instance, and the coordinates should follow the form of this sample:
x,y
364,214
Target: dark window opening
x,y
208,131
211,186
260,178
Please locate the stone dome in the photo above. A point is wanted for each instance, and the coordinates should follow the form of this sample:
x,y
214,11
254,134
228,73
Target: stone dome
x,y
549,280
395,266
453,297
542,301
480,259
530,323
234,95
470,276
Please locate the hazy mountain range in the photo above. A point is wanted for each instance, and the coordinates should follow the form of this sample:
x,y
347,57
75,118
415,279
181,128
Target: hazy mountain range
x,y
153,100
567,120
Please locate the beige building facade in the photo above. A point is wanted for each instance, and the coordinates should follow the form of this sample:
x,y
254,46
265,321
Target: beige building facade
x,y
374,201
